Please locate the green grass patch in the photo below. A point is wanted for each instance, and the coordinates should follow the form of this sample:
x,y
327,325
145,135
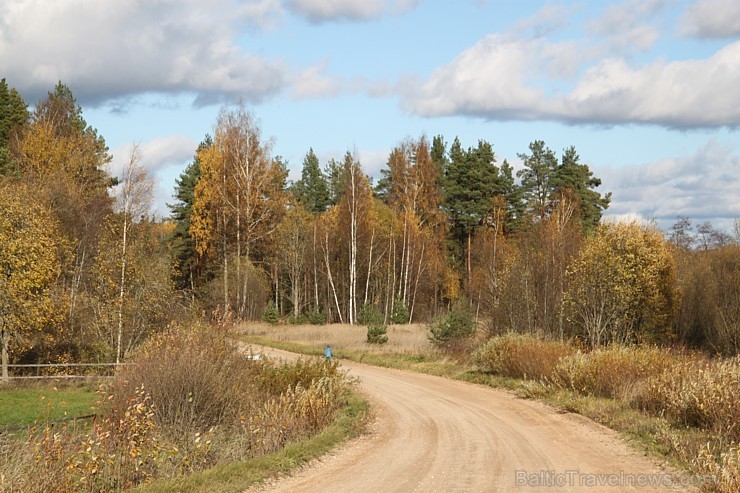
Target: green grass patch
x,y
22,406
238,476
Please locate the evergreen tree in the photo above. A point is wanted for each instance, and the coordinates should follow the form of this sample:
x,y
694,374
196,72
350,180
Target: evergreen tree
x,y
579,179
311,190
439,154
537,177
13,114
333,175
470,183
187,270
512,192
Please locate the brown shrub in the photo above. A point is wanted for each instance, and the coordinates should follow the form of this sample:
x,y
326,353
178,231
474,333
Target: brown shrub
x,y
611,372
521,356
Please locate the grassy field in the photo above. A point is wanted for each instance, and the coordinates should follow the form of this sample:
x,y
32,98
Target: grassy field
x,y
402,339
22,405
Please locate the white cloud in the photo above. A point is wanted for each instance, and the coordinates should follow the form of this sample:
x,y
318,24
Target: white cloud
x,y
680,94
318,11
712,19
489,79
164,159
156,154
314,83
504,78
548,19
702,186
109,49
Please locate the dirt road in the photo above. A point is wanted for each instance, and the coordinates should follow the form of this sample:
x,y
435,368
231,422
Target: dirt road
x,y
432,434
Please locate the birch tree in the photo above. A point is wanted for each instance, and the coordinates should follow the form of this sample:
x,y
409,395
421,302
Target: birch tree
x,y
133,203
239,200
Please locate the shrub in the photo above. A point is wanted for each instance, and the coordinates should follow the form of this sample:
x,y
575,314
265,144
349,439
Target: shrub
x,y
457,325
369,315
271,315
299,319
196,377
521,356
315,317
400,313
376,334
610,372
190,400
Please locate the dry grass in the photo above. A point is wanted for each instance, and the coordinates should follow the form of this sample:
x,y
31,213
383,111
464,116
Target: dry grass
x,y
402,339
698,393
521,356
615,372
190,401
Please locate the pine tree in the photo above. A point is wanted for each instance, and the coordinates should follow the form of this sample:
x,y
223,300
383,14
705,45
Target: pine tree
x,y
13,115
187,268
578,178
470,183
311,191
515,208
538,177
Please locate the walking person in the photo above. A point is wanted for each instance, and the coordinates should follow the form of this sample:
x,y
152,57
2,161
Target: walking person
x,y
328,353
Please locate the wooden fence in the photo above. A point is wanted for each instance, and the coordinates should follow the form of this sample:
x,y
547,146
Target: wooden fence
x,y
61,365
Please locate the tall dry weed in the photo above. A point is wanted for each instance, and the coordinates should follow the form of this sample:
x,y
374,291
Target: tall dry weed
x,y
704,394
521,356
612,372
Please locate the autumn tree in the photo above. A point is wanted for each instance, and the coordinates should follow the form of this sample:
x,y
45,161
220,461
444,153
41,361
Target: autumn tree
x,y
65,160
292,240
149,302
623,286
239,201
355,207
414,194
30,252
134,201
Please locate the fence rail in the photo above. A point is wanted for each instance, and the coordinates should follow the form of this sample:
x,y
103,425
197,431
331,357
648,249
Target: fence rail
x,y
60,365
64,365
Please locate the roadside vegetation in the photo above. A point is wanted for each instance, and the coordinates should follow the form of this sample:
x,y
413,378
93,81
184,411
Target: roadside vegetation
x,y
682,406
190,402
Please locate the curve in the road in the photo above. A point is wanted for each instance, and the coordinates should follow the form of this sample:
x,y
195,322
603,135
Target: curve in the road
x,y
432,434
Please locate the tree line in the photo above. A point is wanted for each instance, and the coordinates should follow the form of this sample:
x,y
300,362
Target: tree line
x,y
88,272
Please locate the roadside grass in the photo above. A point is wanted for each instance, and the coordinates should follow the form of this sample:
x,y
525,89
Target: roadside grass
x,y
191,413
238,476
27,404
619,388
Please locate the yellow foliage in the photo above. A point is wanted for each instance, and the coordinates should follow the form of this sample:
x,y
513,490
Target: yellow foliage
x,y
30,247
623,284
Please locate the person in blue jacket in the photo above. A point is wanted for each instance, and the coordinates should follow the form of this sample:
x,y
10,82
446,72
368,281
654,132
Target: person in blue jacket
x,y
328,353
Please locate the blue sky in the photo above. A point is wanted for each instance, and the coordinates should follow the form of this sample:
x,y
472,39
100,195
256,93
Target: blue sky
x,y
648,91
